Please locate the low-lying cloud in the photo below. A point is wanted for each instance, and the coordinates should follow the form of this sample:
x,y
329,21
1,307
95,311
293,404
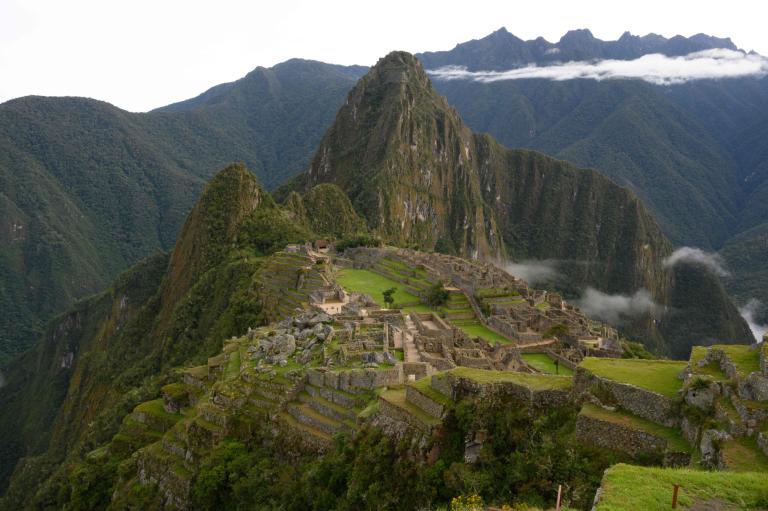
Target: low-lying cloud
x,y
532,271
714,262
750,312
654,68
616,309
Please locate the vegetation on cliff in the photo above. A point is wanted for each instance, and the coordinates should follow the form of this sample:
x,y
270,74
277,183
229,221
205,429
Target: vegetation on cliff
x,y
89,189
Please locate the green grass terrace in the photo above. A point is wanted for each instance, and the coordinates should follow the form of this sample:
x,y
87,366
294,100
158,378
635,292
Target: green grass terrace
x,y
542,362
531,381
650,489
473,328
373,284
660,376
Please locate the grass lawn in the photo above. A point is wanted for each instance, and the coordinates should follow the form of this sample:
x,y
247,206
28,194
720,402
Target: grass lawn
x,y
233,365
373,284
671,435
419,308
532,381
397,398
156,408
473,328
711,370
659,376
744,455
543,363
746,360
424,386
650,489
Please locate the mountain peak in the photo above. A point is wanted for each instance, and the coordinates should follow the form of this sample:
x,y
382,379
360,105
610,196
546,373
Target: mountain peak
x,y
212,226
580,34
397,67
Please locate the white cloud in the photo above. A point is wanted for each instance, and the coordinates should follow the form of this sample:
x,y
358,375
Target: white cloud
x,y
654,68
748,312
533,272
713,262
616,309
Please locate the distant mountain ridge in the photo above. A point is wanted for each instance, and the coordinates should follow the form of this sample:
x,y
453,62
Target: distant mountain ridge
x,y
502,50
88,189
695,153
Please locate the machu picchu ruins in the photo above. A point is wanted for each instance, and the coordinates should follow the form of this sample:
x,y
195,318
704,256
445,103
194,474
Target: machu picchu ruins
x,y
333,361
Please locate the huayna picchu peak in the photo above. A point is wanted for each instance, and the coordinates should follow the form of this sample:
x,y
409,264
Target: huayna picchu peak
x,y
422,318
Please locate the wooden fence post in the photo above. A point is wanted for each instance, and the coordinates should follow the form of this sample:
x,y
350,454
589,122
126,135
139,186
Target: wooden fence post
x,y
559,494
674,496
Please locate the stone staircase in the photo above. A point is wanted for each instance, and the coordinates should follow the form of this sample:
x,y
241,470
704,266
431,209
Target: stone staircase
x,y
324,411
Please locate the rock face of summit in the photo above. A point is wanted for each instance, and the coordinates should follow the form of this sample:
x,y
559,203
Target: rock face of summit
x,y
420,177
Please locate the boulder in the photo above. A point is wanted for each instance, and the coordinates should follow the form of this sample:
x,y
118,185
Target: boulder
x,y
320,317
323,332
710,445
702,398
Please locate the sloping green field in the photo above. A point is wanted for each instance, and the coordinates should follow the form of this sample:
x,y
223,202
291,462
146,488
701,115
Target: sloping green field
x,y
627,487
373,284
661,376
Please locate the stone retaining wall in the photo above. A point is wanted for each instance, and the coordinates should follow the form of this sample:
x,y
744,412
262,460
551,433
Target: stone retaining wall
x,y
618,437
418,369
439,363
762,442
442,384
356,380
562,360
416,398
396,413
643,403
535,399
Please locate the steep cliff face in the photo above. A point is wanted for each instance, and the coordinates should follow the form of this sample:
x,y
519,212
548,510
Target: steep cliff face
x,y
54,390
420,177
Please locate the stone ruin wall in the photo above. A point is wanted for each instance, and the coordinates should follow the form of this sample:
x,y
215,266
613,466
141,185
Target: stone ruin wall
x,y
634,442
643,403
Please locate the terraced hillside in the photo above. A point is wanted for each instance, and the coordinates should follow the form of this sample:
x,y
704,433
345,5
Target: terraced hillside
x,y
711,410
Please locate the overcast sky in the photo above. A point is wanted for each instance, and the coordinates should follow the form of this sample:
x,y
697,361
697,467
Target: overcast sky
x,y
142,54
